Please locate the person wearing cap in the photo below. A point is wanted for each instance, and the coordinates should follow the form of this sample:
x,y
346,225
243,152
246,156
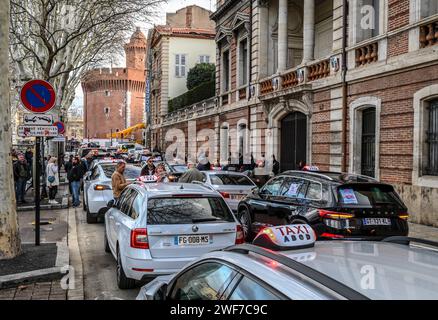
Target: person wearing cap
x,y
193,174
118,179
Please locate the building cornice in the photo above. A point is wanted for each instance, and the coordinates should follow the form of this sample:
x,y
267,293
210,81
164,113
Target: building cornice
x,y
221,10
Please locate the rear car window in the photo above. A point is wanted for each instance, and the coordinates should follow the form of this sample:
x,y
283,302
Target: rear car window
x,y
368,195
131,172
233,180
187,211
180,169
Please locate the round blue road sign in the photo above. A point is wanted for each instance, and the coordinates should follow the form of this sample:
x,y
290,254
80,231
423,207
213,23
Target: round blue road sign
x,y
61,127
38,96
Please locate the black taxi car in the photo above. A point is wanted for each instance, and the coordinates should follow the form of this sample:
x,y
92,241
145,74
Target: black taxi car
x,y
336,205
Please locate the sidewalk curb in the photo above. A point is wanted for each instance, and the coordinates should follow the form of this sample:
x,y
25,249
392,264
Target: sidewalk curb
x,y
48,274
62,205
75,258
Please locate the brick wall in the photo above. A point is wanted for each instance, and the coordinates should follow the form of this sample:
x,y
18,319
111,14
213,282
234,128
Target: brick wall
x,y
321,130
398,44
398,14
397,118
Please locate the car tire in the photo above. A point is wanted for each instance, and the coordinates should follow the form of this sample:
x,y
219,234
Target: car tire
x,y
123,282
105,243
90,218
245,219
84,205
298,221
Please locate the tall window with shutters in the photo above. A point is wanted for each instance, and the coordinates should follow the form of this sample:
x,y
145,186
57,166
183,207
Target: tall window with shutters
x,y
180,65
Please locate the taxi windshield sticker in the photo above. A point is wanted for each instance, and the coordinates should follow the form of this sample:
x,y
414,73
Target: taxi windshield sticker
x,y
293,189
348,196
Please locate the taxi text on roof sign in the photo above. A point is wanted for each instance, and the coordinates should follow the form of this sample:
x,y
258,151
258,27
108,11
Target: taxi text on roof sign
x,y
286,237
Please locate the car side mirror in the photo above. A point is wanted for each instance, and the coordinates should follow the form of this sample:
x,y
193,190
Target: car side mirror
x,y
111,203
256,190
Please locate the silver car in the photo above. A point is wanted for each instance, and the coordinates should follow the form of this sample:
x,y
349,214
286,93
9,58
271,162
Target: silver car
x,y
156,229
395,269
233,186
98,189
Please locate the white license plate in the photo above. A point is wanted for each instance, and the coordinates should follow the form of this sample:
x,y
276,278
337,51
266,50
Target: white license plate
x,y
377,222
196,240
237,197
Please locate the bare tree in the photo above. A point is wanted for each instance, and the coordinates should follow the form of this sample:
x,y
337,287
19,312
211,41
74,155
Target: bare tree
x,y
58,40
9,232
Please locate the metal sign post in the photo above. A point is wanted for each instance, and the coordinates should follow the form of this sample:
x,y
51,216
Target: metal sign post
x,y
37,189
38,97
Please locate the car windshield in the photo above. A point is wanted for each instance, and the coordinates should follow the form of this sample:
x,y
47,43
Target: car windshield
x,y
131,172
187,211
367,195
230,180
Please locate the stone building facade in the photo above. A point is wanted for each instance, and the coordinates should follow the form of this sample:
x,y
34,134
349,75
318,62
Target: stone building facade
x,y
114,98
281,90
175,48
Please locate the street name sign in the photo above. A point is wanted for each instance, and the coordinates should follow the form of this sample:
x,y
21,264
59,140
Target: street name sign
x,y
32,119
38,96
37,131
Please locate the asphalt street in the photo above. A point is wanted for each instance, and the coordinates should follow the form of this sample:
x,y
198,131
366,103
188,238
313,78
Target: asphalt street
x,y
99,267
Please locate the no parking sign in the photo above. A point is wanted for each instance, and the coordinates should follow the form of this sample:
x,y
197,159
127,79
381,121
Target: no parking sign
x,y
38,96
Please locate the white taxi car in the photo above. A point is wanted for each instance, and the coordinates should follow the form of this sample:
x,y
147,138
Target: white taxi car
x,y
98,189
233,186
285,262
155,229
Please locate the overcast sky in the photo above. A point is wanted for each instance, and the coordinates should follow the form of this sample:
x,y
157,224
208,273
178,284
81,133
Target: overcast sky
x,y
170,6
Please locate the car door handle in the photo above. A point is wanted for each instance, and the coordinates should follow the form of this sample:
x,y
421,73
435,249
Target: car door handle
x,y
111,217
118,224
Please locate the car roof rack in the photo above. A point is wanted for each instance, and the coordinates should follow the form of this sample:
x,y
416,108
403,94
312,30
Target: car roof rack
x,y
315,275
407,241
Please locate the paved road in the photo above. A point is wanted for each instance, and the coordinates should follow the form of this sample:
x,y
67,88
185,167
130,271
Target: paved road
x,y
99,267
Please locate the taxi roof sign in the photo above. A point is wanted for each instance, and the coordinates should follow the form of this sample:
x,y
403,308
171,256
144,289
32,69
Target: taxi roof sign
x,y
310,168
148,179
287,237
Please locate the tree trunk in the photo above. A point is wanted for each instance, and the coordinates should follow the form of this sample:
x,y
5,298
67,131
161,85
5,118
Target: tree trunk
x,y
9,232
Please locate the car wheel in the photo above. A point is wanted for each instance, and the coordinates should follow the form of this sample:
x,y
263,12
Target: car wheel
x,y
123,282
84,205
245,220
90,218
105,242
298,221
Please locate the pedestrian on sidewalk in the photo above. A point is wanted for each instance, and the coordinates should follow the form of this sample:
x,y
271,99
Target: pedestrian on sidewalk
x,y
68,166
118,180
275,166
21,175
52,179
74,177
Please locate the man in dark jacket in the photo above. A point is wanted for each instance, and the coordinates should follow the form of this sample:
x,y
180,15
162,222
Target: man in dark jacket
x,y
148,169
68,166
21,175
275,165
74,177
